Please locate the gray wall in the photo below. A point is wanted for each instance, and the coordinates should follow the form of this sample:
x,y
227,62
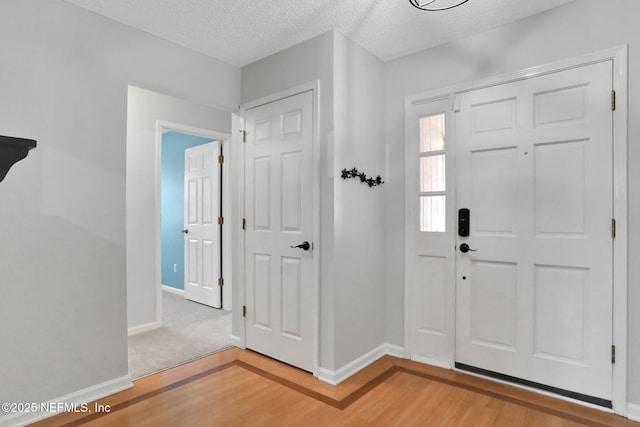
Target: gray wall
x,y
359,253
580,27
63,81
306,62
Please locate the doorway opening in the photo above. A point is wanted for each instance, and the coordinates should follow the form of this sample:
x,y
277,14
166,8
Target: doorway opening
x,y
193,321
149,116
173,191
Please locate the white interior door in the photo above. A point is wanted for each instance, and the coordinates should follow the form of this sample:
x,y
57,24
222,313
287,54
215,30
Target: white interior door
x,y
202,231
534,166
279,217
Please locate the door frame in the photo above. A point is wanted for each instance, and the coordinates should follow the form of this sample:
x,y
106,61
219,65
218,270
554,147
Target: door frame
x,y
619,58
163,126
239,255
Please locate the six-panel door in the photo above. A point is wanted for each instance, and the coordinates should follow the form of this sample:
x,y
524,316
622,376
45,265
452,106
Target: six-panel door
x,y
279,214
534,166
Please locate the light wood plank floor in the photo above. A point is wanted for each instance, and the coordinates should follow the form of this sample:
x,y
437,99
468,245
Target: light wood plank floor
x,y
242,388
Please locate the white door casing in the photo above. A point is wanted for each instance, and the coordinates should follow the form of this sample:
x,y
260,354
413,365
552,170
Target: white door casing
x,y
534,166
280,296
201,228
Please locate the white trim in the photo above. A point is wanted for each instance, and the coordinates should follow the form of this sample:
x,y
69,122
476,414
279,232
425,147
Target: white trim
x,y
620,248
237,234
314,87
633,412
616,53
172,290
135,330
79,397
236,341
394,350
230,223
161,126
353,367
619,58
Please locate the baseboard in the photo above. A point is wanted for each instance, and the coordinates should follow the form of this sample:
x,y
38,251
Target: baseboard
x,y
336,377
172,290
394,350
235,341
633,411
134,330
76,399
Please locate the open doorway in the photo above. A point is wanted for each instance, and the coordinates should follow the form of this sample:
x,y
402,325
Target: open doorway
x,y
165,329
193,321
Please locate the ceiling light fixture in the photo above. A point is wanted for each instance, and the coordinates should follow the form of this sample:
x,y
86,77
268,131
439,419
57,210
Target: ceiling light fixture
x,y
439,4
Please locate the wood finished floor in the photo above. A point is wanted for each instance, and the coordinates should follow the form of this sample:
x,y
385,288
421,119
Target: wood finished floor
x,y
242,388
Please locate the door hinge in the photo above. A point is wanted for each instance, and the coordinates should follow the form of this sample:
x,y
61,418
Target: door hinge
x,y
613,100
221,159
244,311
613,228
220,220
455,107
244,223
613,354
221,282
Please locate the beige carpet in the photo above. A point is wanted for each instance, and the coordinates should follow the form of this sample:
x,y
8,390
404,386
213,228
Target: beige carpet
x,y
190,330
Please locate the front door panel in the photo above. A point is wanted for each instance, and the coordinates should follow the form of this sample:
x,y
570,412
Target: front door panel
x,y
534,166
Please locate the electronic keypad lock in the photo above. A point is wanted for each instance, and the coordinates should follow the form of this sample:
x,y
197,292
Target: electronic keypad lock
x,y
464,221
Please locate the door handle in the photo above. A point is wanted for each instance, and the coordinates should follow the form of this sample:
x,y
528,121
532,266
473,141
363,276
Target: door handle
x,y
304,246
464,248
185,231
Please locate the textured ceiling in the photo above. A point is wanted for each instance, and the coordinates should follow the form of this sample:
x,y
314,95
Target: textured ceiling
x,y
242,31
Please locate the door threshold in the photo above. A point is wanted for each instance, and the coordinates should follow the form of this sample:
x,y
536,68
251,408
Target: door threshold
x,y
592,400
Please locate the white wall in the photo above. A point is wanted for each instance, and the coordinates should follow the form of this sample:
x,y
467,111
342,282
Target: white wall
x,y
581,27
63,81
359,250
144,109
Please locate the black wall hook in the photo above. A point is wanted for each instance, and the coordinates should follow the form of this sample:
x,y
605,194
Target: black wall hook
x,y
13,150
354,173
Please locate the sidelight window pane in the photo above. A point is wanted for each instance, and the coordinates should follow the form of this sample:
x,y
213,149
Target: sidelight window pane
x,y
432,133
432,213
432,173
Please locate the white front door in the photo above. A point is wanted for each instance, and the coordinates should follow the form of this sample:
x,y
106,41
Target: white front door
x,y
534,167
202,231
279,217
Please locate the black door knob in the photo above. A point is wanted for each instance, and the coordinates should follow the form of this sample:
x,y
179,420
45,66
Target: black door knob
x,y
304,246
464,248
185,231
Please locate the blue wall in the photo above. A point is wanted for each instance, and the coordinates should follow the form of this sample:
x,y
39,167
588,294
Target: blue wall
x,y
172,205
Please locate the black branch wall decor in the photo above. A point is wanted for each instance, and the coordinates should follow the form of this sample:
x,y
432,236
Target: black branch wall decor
x,y
354,173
